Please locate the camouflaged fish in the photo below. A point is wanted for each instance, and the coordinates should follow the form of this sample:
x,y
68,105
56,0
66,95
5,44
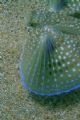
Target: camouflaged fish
x,y
50,62
57,5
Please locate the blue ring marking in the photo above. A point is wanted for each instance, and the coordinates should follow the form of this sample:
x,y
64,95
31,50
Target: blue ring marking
x,y
41,94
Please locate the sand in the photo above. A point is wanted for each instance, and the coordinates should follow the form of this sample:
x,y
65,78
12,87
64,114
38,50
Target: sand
x,y
15,102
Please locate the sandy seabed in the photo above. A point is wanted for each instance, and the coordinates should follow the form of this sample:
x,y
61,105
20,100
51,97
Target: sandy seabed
x,y
15,102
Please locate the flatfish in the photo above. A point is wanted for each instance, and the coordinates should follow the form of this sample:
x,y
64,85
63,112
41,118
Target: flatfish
x,y
50,61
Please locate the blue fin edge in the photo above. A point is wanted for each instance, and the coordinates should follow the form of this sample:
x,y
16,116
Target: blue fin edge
x,y
52,94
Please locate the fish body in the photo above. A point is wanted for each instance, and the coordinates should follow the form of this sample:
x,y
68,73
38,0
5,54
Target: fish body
x,y
74,5
50,61
76,15
50,66
57,5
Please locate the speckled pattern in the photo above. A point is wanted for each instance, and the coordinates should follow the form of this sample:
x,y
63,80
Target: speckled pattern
x,y
15,102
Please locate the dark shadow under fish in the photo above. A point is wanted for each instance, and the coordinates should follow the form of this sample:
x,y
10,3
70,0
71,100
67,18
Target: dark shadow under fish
x,y
76,15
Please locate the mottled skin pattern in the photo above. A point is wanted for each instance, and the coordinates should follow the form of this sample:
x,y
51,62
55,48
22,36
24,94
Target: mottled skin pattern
x,y
57,5
51,58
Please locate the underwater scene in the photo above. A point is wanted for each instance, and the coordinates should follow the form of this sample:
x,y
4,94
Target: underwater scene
x,y
50,62
40,59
